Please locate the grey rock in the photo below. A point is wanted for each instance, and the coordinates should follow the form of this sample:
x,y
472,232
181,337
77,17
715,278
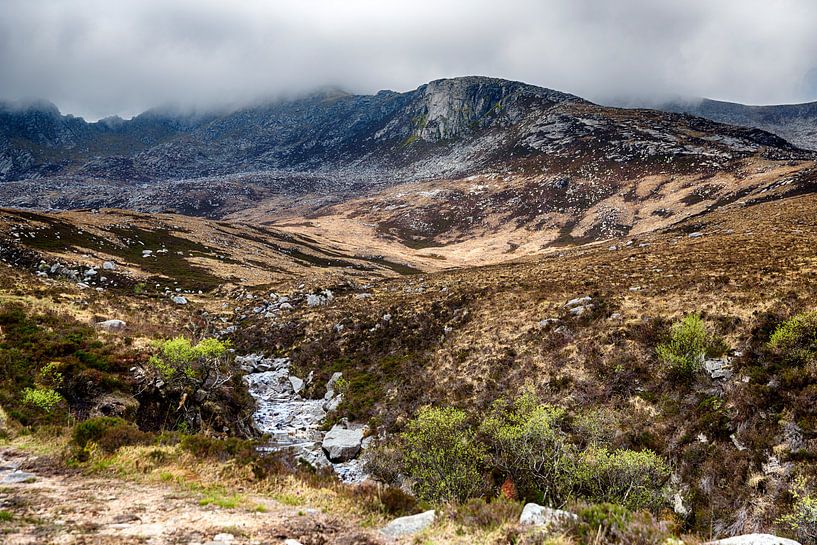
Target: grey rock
x,y
718,368
404,526
179,300
109,266
333,403
111,325
342,444
17,476
579,301
539,515
297,384
330,385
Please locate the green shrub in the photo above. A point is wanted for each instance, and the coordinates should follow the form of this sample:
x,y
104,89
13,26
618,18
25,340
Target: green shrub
x,y
795,340
442,456
109,433
44,399
606,516
610,524
802,519
686,348
529,446
632,479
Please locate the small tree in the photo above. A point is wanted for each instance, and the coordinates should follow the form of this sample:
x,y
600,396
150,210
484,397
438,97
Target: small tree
x,y
684,352
529,446
193,372
442,456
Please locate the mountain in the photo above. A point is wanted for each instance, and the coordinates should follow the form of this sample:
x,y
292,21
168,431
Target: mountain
x,y
331,146
797,123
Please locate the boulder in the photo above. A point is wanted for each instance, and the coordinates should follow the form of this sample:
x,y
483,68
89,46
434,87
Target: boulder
x,y
109,266
342,444
404,526
754,539
539,515
111,325
330,385
17,476
179,300
579,301
297,384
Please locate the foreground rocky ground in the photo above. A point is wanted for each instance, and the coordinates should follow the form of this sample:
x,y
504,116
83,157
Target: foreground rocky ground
x,y
49,503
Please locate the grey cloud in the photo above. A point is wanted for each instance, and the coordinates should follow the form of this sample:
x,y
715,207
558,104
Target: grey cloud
x,y
97,57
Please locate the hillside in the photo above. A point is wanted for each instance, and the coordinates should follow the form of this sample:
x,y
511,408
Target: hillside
x,y
330,146
796,123
297,321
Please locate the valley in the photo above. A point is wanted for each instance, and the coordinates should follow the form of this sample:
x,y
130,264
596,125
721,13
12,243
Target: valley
x,y
300,321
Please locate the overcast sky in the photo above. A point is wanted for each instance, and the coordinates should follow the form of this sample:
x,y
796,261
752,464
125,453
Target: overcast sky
x,y
100,57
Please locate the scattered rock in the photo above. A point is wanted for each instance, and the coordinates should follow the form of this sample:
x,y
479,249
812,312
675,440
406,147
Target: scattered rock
x,y
579,301
719,368
539,515
111,325
754,539
109,266
16,476
342,444
696,234
179,300
404,526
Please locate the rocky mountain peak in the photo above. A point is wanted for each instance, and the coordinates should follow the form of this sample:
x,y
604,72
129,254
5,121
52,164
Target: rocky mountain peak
x,y
452,107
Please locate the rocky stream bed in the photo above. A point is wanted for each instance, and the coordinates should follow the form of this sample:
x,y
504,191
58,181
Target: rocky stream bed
x,y
294,423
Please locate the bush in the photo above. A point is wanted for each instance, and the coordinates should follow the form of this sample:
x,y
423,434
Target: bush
x,y
529,447
442,456
802,520
634,480
684,352
189,378
45,399
609,524
795,340
109,433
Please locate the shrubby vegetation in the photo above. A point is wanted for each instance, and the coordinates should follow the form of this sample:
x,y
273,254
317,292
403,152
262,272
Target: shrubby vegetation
x,y
802,519
795,340
529,447
50,361
442,456
445,457
193,385
633,479
686,348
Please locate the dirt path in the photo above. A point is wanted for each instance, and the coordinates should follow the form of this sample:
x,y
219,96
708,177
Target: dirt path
x,y
61,506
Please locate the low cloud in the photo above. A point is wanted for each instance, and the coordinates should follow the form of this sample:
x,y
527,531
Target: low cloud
x,y
96,57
